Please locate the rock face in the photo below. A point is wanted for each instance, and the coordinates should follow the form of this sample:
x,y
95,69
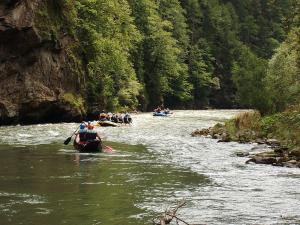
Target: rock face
x,y
35,72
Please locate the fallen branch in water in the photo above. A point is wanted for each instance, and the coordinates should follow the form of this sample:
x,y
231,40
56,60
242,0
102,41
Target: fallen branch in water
x,y
170,215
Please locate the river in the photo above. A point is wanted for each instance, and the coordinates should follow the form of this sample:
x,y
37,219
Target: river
x,y
156,163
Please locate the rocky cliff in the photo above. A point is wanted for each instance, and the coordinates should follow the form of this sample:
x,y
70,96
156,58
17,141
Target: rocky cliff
x,y
37,71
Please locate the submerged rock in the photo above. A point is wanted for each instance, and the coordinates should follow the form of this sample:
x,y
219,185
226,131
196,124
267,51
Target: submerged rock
x,y
295,153
225,137
292,164
273,142
260,141
202,132
262,160
242,154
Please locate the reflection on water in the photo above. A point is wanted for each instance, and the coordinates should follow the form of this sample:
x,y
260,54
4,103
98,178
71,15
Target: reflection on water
x,y
158,163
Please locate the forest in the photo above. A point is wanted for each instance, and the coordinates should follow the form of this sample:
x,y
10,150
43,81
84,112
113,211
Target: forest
x,y
186,54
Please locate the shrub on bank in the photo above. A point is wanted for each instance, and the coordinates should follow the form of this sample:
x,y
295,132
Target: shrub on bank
x,y
284,126
244,127
250,126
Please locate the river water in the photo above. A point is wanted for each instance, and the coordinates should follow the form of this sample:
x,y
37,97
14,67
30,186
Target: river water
x,y
156,164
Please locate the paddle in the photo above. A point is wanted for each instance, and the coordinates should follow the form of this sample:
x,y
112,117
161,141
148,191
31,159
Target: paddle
x,y
67,141
108,148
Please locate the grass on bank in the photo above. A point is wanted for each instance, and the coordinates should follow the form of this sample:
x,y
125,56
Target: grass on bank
x,y
250,126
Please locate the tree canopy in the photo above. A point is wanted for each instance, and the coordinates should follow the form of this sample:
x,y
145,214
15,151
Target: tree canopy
x,y
186,53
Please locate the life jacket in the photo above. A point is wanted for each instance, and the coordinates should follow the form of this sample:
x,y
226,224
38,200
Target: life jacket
x,y
114,119
91,135
103,115
127,119
82,134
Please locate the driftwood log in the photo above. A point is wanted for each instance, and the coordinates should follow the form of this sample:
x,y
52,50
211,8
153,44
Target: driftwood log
x,y
170,215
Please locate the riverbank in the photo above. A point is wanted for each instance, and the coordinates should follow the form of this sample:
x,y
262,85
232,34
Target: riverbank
x,y
278,135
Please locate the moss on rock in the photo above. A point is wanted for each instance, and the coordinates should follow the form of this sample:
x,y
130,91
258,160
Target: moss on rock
x,y
75,101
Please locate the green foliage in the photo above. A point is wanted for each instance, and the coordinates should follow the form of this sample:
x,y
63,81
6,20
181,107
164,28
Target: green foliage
x,y
261,24
107,34
268,123
285,126
75,101
160,58
283,81
231,128
248,121
172,11
201,72
245,126
55,17
181,53
292,18
248,74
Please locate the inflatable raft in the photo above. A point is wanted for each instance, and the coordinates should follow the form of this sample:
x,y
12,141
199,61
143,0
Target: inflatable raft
x,y
107,124
160,114
87,146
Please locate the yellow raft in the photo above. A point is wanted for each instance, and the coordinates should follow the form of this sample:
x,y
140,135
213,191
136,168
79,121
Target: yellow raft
x,y
107,124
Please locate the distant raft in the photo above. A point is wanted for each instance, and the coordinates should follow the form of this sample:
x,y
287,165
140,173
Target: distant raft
x,y
107,123
161,114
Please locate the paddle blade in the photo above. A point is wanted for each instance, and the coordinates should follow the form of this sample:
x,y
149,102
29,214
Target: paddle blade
x,y
67,141
108,149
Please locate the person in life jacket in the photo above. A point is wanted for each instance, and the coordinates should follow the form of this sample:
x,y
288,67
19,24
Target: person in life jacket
x,y
91,134
127,118
82,132
120,118
114,118
103,116
157,110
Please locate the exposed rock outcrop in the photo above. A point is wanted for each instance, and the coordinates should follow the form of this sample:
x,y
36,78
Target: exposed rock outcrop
x,y
35,72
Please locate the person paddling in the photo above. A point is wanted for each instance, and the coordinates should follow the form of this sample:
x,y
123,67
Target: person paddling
x,y
82,132
91,134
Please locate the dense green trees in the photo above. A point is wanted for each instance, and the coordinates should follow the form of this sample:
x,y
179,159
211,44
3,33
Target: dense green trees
x,y
187,53
159,59
273,87
249,72
107,34
283,78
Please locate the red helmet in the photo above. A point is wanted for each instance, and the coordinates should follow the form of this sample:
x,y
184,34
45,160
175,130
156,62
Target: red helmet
x,y
90,127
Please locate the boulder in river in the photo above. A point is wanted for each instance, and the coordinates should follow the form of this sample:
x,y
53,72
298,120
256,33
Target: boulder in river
x,y
273,142
295,153
262,160
242,154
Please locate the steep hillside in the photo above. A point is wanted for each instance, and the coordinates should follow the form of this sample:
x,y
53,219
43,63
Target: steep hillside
x,y
35,68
